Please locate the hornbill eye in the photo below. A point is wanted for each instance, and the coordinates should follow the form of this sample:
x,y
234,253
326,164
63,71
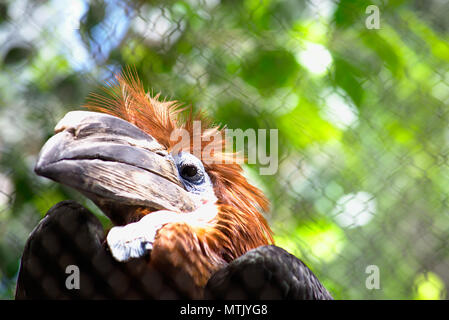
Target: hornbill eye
x,y
193,174
189,172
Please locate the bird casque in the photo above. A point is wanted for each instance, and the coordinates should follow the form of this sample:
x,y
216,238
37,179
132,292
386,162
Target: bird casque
x,y
195,219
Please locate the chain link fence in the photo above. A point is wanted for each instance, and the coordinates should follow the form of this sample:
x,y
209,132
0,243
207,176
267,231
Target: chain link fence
x,y
358,95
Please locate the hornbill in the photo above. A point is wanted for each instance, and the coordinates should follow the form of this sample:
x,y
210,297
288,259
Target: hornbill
x,y
183,227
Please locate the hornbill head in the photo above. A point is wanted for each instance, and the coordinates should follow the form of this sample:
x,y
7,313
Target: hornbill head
x,y
192,213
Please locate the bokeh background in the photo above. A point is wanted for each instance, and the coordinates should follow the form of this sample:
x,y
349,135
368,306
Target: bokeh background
x,y
362,114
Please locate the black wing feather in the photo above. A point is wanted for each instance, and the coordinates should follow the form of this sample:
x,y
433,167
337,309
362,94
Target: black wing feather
x,y
71,235
267,272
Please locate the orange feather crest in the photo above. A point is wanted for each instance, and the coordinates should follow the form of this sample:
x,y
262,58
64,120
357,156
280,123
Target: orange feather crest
x,y
241,203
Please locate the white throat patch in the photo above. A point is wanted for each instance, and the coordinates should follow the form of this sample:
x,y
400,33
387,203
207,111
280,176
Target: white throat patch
x,y
135,239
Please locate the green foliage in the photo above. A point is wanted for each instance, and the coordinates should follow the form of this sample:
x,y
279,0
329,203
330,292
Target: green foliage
x,y
270,69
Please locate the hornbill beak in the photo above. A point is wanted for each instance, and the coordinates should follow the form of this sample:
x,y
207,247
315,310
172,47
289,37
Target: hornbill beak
x,y
115,164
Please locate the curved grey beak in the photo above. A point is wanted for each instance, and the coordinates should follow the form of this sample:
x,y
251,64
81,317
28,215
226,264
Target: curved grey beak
x,y
113,163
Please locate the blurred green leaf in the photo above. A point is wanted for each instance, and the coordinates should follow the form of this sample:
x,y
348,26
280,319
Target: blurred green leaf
x,y
17,54
428,287
3,12
348,77
270,69
304,126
